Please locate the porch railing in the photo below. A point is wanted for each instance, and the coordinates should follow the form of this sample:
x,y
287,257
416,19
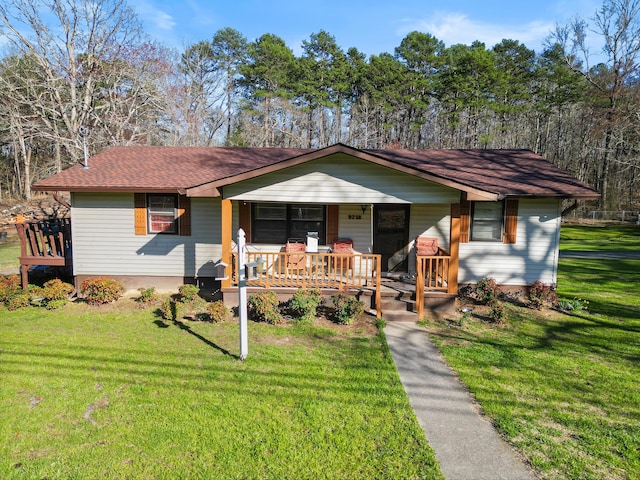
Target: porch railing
x,y
432,274
318,270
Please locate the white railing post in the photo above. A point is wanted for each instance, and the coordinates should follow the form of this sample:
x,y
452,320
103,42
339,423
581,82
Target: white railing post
x,y
242,296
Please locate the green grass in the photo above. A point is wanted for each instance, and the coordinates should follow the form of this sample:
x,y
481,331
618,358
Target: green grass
x,y
563,388
9,253
600,238
114,392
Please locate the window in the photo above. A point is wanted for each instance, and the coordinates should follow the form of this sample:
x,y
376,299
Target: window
x,y
162,213
486,221
277,222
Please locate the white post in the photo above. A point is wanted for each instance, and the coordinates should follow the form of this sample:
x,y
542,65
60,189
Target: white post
x,y
242,296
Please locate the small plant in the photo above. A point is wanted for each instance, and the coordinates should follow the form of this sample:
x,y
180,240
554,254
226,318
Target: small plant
x,y
575,305
487,291
147,294
172,310
101,290
498,312
217,311
57,303
381,323
347,308
466,316
188,293
168,309
304,304
264,307
541,294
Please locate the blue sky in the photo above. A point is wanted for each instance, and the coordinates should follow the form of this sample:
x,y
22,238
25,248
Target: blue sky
x,y
372,26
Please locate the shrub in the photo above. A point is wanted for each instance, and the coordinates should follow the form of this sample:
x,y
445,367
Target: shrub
x,y
56,289
9,286
98,291
487,291
347,308
217,311
541,294
147,294
264,307
304,304
188,293
18,300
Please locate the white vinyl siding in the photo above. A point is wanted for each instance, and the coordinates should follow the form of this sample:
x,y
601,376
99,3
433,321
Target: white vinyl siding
x,y
340,179
356,225
533,257
104,242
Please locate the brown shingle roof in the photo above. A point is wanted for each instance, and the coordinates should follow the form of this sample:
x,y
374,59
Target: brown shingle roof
x,y
506,172
500,172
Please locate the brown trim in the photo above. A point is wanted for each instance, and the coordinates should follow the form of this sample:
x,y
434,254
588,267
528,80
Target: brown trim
x,y
226,229
510,221
465,220
244,219
332,223
184,216
454,249
140,213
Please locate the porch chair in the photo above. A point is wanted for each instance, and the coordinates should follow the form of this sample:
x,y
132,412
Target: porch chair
x,y
295,258
343,246
426,246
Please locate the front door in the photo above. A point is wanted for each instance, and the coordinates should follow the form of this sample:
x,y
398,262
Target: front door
x,y
391,236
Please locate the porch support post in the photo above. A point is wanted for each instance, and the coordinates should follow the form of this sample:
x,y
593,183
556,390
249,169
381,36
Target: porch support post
x,y
226,240
454,249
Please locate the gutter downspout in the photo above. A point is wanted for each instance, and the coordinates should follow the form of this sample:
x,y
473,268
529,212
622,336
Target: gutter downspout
x,y
570,208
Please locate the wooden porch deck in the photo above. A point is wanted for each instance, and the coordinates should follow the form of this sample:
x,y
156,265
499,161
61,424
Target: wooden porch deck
x,y
354,273
44,242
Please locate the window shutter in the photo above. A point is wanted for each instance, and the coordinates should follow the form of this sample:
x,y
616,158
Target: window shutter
x,y
140,213
332,223
510,221
184,215
465,220
244,219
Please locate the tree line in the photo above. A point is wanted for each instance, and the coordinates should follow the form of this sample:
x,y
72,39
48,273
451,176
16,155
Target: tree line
x,y
78,73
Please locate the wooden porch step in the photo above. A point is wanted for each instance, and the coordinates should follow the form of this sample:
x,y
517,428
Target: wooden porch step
x,y
399,316
398,309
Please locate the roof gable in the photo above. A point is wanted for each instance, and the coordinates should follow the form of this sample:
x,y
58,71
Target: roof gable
x,y
339,178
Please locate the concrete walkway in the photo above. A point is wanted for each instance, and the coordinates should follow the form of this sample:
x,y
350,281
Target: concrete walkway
x,y
467,446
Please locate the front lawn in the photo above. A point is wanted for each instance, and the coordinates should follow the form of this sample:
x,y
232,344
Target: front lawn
x,y
116,392
9,253
563,387
600,238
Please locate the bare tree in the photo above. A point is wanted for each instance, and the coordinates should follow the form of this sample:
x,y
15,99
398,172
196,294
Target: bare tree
x,y
71,42
617,24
